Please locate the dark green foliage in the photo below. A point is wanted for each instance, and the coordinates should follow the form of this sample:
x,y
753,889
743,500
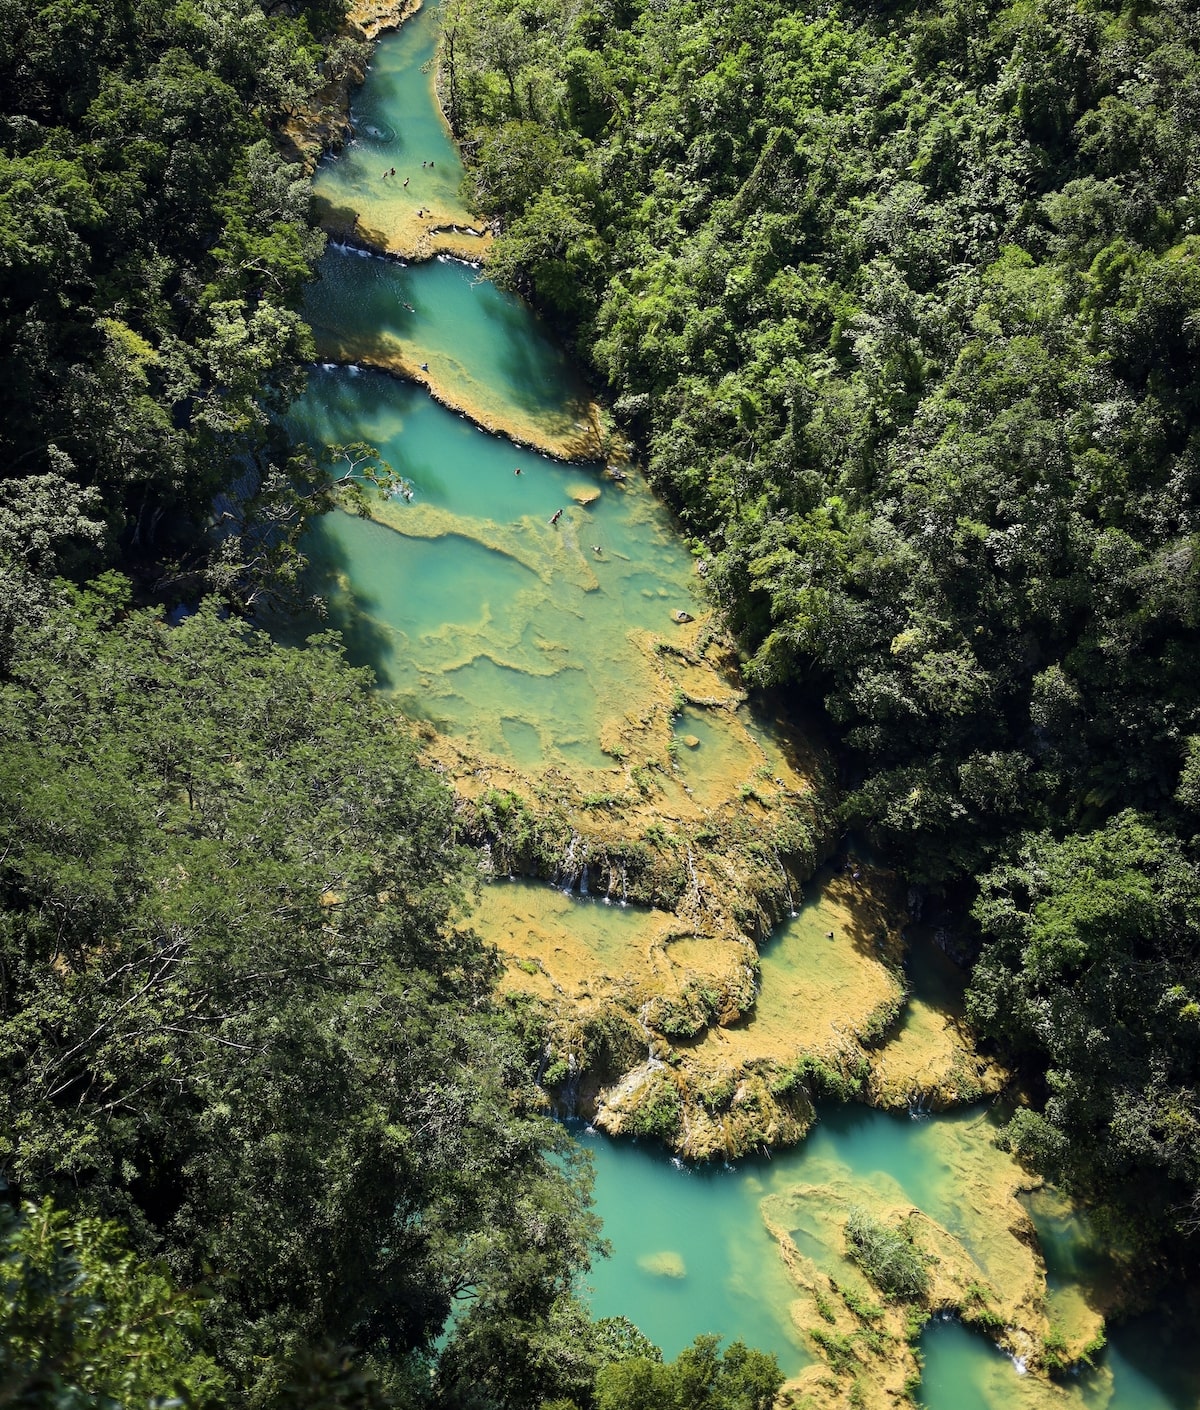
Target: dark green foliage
x,y
85,1326
236,1015
617,1339
887,1256
152,252
1093,973
700,1378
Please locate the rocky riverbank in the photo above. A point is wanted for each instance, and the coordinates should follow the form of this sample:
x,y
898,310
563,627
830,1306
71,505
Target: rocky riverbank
x,y
323,124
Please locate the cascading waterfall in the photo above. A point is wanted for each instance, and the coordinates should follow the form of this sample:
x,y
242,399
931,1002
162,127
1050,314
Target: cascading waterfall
x,y
564,878
787,885
735,1280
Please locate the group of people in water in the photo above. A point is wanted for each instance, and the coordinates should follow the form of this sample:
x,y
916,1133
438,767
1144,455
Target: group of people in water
x,y
391,171
406,491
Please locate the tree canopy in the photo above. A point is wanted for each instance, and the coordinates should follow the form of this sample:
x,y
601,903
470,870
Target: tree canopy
x,y
153,249
239,1016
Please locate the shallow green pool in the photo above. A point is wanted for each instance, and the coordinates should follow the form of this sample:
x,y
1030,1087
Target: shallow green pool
x,y
397,123
515,634
481,348
721,1273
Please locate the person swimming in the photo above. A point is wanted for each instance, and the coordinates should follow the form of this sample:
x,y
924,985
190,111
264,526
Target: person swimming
x,y
556,516
517,471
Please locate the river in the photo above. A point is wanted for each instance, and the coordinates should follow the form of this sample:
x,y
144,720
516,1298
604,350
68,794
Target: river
x,y
522,638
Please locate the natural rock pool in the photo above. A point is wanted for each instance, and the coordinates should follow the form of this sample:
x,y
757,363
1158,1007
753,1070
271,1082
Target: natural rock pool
x,y
548,665
691,1252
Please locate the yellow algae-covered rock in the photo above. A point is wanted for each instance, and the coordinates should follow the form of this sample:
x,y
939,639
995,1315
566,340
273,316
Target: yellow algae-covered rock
x,y
584,494
830,977
666,1263
930,1062
870,1267
574,431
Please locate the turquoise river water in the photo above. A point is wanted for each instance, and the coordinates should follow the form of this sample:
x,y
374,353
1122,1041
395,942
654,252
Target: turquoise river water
x,y
521,638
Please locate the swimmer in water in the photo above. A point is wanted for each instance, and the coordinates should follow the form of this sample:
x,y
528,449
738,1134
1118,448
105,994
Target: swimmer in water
x,y
556,516
406,181
517,471
424,367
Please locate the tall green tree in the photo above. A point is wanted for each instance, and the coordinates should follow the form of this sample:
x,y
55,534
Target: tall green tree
x,y
241,1012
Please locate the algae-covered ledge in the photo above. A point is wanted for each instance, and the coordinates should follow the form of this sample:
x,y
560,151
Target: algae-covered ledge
x,y
688,966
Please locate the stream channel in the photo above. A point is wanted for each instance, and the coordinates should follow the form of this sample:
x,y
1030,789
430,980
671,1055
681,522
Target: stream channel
x,y
521,640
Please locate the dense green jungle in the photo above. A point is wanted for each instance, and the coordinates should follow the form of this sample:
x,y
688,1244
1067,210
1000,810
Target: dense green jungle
x,y
900,307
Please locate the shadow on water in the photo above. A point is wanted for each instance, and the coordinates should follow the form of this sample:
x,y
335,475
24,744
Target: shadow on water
x,y
1162,1349
526,348
798,733
858,918
935,981
349,609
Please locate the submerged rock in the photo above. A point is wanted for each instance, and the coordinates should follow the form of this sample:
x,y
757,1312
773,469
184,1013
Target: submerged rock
x,y
664,1264
680,616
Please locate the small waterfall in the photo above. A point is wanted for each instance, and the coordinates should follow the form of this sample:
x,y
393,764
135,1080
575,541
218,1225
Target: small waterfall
x,y
787,885
570,1091
919,1108
624,887
565,876
583,881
